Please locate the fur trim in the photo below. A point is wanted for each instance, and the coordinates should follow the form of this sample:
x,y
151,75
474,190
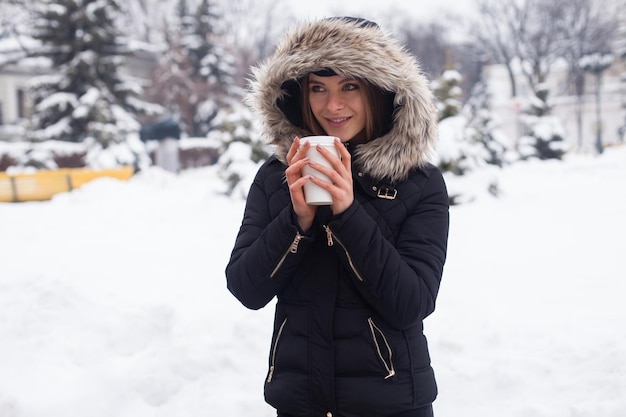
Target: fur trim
x,y
351,48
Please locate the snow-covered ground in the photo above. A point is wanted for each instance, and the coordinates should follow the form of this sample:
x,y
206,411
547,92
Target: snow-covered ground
x,y
113,300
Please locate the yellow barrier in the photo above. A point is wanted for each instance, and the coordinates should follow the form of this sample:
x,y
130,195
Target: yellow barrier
x,y
42,185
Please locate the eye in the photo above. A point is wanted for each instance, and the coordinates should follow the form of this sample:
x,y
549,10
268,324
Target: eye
x,y
351,86
316,88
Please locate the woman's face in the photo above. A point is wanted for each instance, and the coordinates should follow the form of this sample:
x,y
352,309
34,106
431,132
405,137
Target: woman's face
x,y
338,105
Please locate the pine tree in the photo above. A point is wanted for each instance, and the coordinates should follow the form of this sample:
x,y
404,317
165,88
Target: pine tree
x,y
545,133
242,148
483,127
472,148
213,63
471,138
86,97
196,76
449,93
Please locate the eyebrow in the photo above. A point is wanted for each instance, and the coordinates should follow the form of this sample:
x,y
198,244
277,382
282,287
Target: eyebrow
x,y
341,81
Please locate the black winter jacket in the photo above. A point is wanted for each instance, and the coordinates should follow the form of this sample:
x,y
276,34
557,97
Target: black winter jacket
x,y
351,293
348,331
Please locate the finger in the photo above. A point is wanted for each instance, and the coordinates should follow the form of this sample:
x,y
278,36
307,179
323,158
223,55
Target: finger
x,y
294,171
342,194
293,149
297,151
296,190
336,161
339,173
346,158
338,178
297,185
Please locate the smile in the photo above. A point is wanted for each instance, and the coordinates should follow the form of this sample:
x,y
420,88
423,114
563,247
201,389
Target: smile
x,y
341,120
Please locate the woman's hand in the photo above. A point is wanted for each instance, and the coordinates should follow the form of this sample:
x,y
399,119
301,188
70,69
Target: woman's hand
x,y
340,175
296,158
341,187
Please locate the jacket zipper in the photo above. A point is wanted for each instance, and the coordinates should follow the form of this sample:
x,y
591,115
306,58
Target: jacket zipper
x,y
331,238
388,366
293,248
272,364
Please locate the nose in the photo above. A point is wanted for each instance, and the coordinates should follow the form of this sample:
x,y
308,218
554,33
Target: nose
x,y
335,102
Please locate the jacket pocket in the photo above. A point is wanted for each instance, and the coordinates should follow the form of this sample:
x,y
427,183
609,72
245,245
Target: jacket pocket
x,y
293,248
383,349
272,369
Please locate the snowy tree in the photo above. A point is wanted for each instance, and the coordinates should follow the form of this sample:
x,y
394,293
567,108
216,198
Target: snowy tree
x,y
472,139
538,33
544,138
171,84
462,160
86,98
253,28
469,140
197,73
483,127
212,62
447,89
11,16
472,148
242,148
458,152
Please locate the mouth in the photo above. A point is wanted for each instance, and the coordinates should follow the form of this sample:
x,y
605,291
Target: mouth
x,y
337,121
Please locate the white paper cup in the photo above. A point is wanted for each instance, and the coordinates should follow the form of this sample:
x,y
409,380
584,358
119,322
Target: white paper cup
x,y
314,194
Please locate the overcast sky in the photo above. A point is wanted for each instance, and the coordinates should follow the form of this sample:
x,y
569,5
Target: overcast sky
x,y
374,8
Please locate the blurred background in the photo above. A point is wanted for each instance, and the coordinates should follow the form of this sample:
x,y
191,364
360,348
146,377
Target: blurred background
x,y
102,84
113,300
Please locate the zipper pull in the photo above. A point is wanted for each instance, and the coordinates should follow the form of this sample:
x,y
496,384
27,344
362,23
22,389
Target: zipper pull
x,y
391,374
271,374
294,244
329,235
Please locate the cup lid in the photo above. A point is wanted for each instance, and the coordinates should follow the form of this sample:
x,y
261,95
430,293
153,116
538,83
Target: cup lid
x,y
318,140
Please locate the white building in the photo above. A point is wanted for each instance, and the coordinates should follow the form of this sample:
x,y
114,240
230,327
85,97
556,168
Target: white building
x,y
613,101
14,78
15,105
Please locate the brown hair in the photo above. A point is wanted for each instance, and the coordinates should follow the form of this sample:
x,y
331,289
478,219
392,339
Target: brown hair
x,y
378,110
309,120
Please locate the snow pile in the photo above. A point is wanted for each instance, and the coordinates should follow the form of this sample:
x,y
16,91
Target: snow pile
x,y
113,300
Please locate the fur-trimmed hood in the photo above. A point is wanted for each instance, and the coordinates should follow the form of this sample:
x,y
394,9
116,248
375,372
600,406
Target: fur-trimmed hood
x,y
360,49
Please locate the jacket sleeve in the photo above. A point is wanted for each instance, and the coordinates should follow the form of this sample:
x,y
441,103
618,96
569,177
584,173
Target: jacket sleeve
x,y
400,282
267,248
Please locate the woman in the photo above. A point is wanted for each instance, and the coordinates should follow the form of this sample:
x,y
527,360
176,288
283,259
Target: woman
x,y
353,280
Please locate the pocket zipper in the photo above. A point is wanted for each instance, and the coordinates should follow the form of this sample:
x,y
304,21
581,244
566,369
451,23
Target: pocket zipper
x,y
293,248
388,366
331,239
273,363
